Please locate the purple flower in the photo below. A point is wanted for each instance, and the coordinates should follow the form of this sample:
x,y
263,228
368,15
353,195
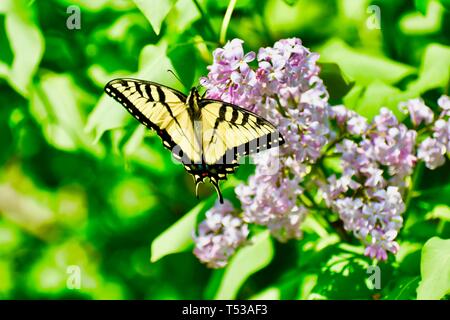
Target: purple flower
x,y
418,111
357,125
375,220
219,235
381,244
272,201
441,133
444,104
393,144
432,152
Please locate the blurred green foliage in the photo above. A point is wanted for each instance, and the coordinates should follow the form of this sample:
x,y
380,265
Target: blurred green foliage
x,y
82,184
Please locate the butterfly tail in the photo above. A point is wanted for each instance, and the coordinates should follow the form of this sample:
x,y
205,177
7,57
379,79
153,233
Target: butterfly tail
x,y
197,183
215,183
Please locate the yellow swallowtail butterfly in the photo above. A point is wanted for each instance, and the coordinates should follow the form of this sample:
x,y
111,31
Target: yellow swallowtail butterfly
x,y
207,136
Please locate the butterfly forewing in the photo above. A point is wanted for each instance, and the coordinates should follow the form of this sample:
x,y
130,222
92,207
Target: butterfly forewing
x,y
162,109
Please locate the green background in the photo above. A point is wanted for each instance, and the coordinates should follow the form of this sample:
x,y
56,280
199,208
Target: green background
x,y
83,185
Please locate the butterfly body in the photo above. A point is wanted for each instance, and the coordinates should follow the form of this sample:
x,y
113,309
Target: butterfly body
x,y
207,136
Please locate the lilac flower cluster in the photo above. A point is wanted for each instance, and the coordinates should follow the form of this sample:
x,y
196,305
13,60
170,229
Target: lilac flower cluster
x,y
284,87
366,195
219,235
385,143
375,170
272,199
432,150
282,84
375,220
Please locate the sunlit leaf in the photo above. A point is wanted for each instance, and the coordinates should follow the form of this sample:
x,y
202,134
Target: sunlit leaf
x,y
98,5
246,262
285,19
106,115
54,104
379,94
155,11
435,269
183,14
362,67
178,237
434,70
27,45
429,20
439,212
153,65
268,294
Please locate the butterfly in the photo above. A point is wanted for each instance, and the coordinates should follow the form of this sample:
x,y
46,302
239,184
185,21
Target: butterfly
x,y
207,136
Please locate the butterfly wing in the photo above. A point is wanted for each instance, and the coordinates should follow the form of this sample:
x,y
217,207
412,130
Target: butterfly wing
x,y
229,132
160,108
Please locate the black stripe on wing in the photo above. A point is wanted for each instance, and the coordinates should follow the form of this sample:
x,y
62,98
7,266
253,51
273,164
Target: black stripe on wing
x,y
136,113
147,84
265,142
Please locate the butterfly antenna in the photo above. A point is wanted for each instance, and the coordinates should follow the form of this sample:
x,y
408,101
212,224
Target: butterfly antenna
x,y
176,77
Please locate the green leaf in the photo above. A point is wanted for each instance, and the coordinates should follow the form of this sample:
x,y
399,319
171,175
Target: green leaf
x,y
155,11
55,105
446,4
27,44
4,70
153,65
178,237
434,70
335,81
178,56
379,94
405,289
435,270
271,293
351,99
416,23
106,115
421,5
183,15
290,2
434,73
247,261
368,67
440,211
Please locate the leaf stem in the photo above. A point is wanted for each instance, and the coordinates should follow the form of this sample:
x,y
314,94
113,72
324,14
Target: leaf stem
x,y
226,21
